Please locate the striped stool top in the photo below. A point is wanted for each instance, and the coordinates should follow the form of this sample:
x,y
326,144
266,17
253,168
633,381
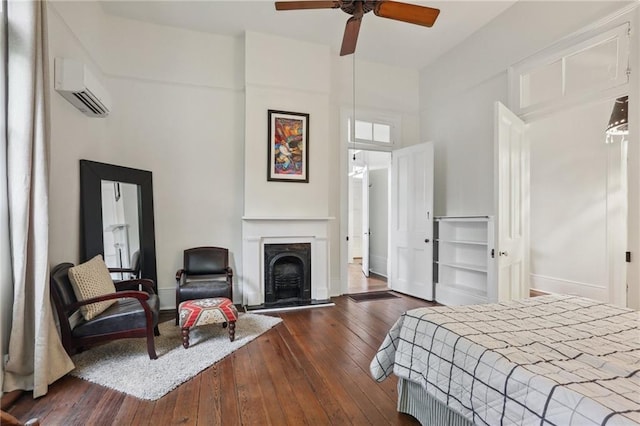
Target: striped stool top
x,y
206,311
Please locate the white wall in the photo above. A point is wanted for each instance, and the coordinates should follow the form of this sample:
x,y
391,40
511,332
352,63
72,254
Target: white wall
x,y
456,103
378,87
177,112
569,205
633,241
6,279
457,94
182,103
279,80
461,126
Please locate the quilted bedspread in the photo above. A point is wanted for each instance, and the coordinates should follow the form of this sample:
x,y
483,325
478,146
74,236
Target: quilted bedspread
x,y
550,360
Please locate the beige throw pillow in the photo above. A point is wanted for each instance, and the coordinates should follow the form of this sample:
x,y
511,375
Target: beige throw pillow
x,y
92,279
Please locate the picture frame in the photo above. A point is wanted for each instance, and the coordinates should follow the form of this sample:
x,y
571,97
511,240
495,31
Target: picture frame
x,y
288,158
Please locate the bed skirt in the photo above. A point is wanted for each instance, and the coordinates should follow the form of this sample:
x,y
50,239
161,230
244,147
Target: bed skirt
x,y
415,401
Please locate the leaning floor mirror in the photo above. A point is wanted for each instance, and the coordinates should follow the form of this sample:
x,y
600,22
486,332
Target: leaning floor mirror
x,y
117,219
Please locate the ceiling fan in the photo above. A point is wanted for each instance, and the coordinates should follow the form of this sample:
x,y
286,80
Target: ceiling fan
x,y
414,14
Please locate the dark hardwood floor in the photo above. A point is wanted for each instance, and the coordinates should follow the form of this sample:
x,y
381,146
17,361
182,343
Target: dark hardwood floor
x,y
313,368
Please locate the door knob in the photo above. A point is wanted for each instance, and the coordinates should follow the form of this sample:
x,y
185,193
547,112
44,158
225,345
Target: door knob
x,y
426,240
503,253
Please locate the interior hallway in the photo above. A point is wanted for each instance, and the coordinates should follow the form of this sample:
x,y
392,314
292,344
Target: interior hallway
x,y
358,283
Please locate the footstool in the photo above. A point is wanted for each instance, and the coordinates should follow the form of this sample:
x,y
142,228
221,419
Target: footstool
x,y
194,313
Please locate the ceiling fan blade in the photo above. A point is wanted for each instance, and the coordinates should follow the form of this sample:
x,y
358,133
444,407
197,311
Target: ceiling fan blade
x,y
350,37
297,5
414,14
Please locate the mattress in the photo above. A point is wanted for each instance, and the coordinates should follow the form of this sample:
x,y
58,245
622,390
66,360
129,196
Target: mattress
x,y
550,360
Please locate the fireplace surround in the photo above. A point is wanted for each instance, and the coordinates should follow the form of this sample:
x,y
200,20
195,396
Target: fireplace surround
x,y
261,232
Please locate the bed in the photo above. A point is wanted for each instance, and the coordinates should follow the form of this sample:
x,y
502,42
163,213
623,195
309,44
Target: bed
x,y
549,360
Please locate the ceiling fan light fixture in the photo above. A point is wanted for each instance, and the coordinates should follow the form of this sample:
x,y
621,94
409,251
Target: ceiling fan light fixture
x,y
619,121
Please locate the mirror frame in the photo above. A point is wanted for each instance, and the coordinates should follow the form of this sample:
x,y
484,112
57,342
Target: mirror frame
x,y
92,174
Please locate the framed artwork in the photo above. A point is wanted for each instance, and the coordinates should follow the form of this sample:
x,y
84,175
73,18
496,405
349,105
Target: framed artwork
x,y
288,159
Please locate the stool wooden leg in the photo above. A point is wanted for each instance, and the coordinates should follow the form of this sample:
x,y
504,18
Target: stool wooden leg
x,y
185,337
232,330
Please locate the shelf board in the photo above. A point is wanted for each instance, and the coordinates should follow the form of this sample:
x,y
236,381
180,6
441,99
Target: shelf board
x,y
451,296
467,266
464,288
477,243
462,218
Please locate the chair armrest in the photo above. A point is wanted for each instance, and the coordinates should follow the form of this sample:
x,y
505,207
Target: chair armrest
x,y
179,274
117,270
10,420
140,295
230,281
146,284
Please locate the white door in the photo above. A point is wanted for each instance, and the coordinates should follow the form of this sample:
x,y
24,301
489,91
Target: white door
x,y
365,221
617,208
411,221
512,205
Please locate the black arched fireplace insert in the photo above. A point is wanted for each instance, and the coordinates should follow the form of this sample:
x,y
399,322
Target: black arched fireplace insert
x,y
287,274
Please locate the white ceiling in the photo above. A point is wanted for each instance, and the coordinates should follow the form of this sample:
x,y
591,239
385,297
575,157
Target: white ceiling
x,y
380,40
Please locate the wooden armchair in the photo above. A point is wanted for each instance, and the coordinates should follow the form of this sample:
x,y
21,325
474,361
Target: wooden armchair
x,y
9,420
135,314
133,271
205,273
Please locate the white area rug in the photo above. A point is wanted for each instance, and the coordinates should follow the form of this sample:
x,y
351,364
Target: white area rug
x,y
124,365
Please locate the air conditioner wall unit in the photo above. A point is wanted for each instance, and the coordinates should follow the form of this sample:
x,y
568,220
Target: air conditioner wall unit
x,y
76,84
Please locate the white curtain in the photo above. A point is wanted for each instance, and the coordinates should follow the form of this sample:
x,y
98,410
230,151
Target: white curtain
x,y
36,355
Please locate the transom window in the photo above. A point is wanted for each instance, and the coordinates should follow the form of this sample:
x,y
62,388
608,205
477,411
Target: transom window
x,y
374,129
372,132
581,67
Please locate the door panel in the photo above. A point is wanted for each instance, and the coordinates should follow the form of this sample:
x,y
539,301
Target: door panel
x,y
411,224
512,205
365,221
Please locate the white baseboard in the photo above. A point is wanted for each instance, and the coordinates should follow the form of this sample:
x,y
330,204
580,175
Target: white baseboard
x,y
562,286
167,298
290,308
378,265
380,274
335,287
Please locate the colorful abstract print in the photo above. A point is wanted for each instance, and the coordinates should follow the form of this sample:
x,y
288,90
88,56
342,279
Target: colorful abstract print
x,y
288,146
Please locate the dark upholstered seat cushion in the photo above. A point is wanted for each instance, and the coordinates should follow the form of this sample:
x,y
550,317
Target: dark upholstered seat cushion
x,y
204,288
123,315
205,277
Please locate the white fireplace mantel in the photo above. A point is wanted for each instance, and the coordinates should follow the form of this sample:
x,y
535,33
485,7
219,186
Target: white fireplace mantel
x,y
286,218
258,231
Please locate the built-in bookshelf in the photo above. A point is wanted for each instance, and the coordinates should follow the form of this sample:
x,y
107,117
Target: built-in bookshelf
x,y
463,262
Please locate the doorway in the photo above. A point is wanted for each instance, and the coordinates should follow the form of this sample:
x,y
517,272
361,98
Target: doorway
x,y
578,173
579,204
368,220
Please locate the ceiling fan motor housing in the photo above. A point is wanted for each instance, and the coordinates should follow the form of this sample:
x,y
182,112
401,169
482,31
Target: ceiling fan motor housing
x,y
391,9
349,6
